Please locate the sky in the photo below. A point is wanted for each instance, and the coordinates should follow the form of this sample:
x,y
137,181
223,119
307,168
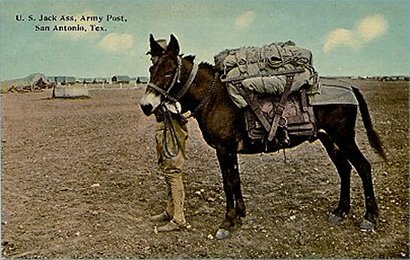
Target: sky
x,y
347,38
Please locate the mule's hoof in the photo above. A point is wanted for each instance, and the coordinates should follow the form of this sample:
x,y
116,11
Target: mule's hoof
x,y
335,219
367,225
222,234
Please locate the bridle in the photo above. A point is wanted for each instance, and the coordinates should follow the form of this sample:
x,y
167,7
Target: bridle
x,y
166,94
172,151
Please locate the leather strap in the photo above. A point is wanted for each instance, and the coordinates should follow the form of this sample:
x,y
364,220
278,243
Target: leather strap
x,y
255,107
281,106
181,93
207,96
188,82
162,92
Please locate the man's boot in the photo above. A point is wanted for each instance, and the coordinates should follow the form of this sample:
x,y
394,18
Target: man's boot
x,y
178,196
161,217
166,215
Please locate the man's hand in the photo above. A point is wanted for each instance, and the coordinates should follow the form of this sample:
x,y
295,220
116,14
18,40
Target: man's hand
x,y
174,108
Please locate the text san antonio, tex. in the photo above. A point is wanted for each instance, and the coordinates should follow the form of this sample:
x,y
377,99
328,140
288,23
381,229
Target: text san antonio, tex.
x,y
92,22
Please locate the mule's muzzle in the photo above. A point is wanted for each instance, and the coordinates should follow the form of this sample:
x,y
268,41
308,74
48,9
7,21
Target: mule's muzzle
x,y
147,109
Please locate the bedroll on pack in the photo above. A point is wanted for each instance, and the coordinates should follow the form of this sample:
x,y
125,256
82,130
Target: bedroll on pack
x,y
264,69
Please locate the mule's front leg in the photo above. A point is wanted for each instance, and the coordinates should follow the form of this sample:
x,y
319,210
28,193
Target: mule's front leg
x,y
228,163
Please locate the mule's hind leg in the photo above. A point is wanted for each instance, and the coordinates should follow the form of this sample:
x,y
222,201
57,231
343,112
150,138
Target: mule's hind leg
x,y
344,169
363,168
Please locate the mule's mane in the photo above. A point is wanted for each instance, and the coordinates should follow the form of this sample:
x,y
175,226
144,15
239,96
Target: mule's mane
x,y
211,68
203,65
190,58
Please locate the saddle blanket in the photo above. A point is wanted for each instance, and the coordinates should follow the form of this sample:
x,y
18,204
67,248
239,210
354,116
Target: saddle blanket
x,y
333,91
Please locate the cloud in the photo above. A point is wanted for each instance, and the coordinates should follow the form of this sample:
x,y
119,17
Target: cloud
x,y
369,28
372,27
245,19
117,42
340,37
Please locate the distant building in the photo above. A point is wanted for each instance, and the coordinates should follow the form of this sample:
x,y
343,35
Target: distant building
x,y
142,80
63,80
120,79
393,78
100,80
32,82
69,80
59,79
51,79
88,80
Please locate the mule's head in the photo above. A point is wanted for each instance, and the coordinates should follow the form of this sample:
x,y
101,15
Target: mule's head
x,y
164,74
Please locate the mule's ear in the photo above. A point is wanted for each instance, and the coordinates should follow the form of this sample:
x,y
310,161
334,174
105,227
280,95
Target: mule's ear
x,y
154,46
173,46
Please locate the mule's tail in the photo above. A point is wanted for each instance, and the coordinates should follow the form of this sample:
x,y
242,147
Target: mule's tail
x,y
372,135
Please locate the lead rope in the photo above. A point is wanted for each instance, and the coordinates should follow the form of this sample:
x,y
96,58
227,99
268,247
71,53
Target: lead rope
x,y
169,153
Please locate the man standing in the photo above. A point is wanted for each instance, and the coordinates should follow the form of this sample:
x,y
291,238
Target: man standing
x,y
171,134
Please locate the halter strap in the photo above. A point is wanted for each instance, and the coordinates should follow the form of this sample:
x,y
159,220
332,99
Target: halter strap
x,y
177,75
189,81
162,92
166,93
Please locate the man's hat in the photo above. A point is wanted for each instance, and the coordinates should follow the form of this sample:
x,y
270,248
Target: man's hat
x,y
158,51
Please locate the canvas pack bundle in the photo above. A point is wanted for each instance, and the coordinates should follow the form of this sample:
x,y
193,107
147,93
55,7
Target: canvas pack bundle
x,y
264,69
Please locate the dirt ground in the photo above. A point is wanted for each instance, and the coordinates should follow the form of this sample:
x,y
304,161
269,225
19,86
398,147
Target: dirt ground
x,y
79,180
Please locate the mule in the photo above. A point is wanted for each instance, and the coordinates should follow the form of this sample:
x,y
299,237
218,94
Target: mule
x,y
222,127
